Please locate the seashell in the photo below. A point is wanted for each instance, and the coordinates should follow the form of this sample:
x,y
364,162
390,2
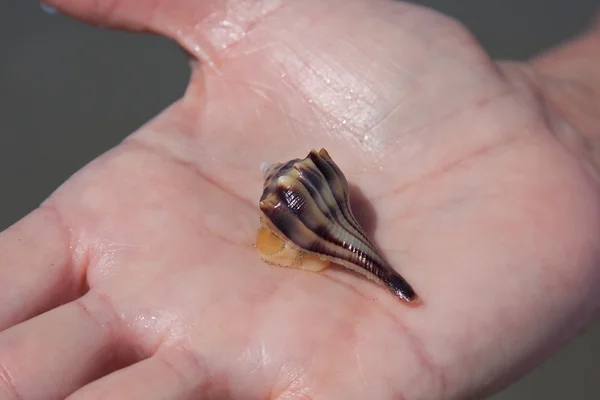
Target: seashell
x,y
306,223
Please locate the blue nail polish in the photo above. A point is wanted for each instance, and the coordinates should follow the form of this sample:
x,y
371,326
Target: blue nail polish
x,y
48,10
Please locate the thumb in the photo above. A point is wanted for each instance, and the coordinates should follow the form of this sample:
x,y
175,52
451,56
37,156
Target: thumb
x,y
203,28
127,15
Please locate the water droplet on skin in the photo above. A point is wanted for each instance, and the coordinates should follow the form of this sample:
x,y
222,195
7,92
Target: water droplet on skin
x,y
344,122
366,137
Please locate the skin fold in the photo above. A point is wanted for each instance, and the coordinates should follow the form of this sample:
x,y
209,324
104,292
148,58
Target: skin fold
x,y
479,180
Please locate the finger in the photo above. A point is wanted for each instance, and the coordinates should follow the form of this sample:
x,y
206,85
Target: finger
x,y
35,269
170,374
54,354
126,14
595,25
203,28
570,81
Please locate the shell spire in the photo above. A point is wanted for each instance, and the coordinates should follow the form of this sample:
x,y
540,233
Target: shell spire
x,y
307,223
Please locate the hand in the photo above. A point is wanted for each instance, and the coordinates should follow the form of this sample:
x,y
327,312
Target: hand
x,y
138,277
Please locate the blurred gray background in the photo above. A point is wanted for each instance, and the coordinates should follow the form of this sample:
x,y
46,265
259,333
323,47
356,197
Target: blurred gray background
x,y
69,92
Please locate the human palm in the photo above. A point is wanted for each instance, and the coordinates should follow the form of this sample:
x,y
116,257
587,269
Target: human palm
x,y
144,260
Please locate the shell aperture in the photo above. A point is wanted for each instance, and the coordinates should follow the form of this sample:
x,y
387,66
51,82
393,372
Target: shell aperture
x,y
307,223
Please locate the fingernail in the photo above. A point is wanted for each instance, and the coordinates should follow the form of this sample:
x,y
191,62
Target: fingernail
x,y
47,9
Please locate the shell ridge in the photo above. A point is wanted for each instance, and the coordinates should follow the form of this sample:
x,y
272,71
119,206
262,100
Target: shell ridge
x,y
332,172
331,211
312,235
356,237
324,247
343,198
346,214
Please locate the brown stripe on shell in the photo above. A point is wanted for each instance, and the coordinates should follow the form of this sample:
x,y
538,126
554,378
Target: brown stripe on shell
x,y
318,234
306,202
316,184
333,174
330,205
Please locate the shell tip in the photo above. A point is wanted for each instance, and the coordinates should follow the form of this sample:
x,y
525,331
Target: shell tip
x,y
323,153
415,301
403,290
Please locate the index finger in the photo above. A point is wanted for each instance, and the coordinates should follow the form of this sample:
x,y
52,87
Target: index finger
x,y
36,272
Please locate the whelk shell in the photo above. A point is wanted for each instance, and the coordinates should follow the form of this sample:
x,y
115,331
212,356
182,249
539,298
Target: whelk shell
x,y
306,223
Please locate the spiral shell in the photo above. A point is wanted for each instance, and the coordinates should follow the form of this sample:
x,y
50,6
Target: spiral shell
x,y
306,223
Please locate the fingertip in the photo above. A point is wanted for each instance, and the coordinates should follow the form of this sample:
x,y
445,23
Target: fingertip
x,y
125,14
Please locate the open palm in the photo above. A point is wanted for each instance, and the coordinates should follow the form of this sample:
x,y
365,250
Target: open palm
x,y
138,277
